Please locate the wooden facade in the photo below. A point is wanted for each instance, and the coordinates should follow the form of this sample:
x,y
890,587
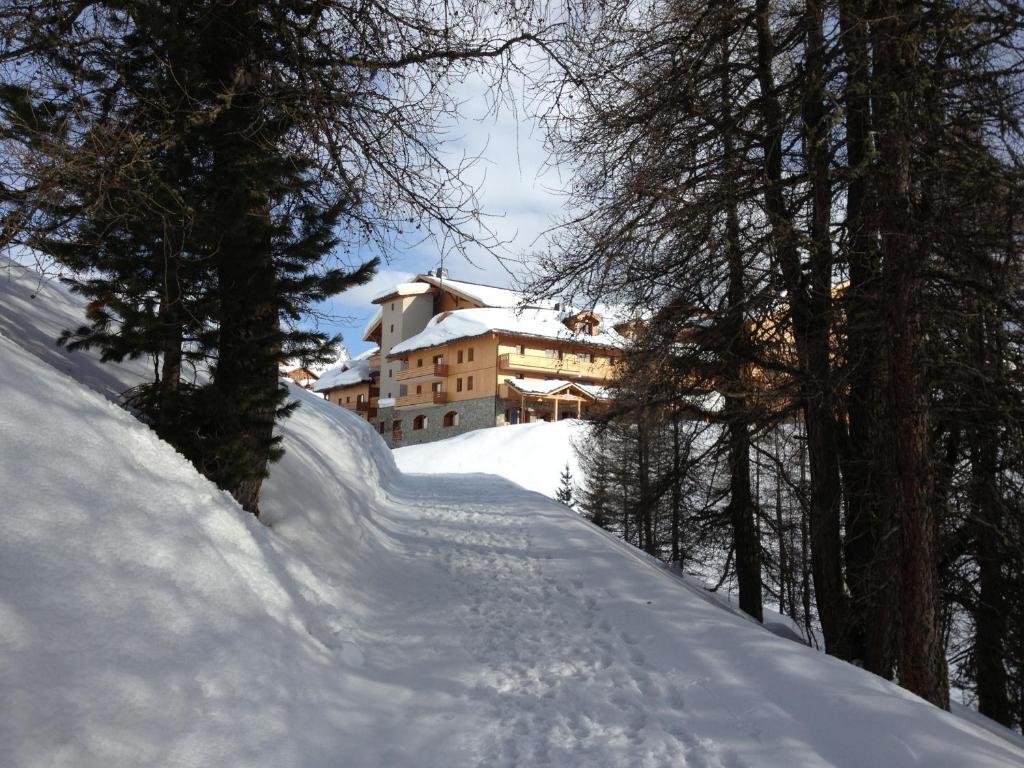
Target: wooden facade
x,y
471,382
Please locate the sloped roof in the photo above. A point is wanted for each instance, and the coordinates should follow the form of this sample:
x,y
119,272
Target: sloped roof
x,y
373,323
351,372
486,295
316,369
529,322
553,386
402,289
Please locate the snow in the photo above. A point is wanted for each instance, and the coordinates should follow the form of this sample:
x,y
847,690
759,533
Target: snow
x,y
531,322
350,371
530,455
595,390
353,373
35,311
487,295
378,315
377,619
403,289
535,386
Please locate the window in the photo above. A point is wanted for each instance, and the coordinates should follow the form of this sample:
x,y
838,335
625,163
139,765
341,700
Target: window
x,y
451,419
512,415
588,328
392,309
469,383
390,372
458,385
584,357
420,422
392,328
419,389
348,399
550,353
469,356
458,357
438,359
522,349
383,427
435,387
419,362
396,429
360,398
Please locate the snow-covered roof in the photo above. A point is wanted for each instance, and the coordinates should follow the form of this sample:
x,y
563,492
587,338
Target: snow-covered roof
x,y
374,322
535,387
550,386
488,295
529,321
354,372
316,369
595,390
366,354
403,289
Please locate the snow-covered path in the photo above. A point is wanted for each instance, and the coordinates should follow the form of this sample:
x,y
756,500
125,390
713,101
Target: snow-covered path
x,y
558,683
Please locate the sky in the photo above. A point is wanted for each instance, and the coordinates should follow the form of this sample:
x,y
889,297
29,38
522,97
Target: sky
x,y
518,193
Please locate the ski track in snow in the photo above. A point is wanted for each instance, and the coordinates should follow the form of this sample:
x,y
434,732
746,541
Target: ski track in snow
x,y
561,684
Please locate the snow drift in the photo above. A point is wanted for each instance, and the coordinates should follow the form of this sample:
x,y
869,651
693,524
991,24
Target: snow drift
x,y
377,620
531,455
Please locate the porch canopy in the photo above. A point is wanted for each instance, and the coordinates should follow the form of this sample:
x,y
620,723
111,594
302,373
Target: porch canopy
x,y
561,395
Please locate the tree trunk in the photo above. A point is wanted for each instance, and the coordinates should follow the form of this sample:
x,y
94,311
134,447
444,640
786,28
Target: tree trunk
x,y
809,310
677,496
921,651
245,376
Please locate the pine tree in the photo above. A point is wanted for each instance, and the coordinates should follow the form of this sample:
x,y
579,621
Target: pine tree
x,y
565,491
204,168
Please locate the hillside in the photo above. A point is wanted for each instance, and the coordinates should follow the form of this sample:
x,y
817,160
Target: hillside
x,y
531,455
377,620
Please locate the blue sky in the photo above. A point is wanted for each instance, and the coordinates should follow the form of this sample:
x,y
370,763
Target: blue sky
x,y
519,195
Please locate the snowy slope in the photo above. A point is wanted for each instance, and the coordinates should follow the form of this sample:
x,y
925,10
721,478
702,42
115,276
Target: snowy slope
x,y
531,455
380,620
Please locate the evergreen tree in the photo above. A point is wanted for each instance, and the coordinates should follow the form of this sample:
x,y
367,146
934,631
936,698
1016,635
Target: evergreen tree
x,y
565,492
204,168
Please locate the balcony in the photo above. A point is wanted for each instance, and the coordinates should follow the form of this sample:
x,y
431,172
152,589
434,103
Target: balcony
x,y
363,406
539,364
423,398
602,371
432,371
568,367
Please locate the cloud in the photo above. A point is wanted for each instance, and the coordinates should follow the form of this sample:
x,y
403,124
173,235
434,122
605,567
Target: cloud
x,y
519,194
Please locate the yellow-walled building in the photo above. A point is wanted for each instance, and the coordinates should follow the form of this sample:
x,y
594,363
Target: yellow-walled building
x,y
456,356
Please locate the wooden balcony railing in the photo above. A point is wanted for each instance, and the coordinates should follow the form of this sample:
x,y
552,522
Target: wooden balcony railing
x,y
363,406
568,367
432,371
396,435
538,363
423,398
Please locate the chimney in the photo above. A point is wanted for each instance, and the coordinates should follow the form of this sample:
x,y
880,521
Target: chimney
x,y
441,272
